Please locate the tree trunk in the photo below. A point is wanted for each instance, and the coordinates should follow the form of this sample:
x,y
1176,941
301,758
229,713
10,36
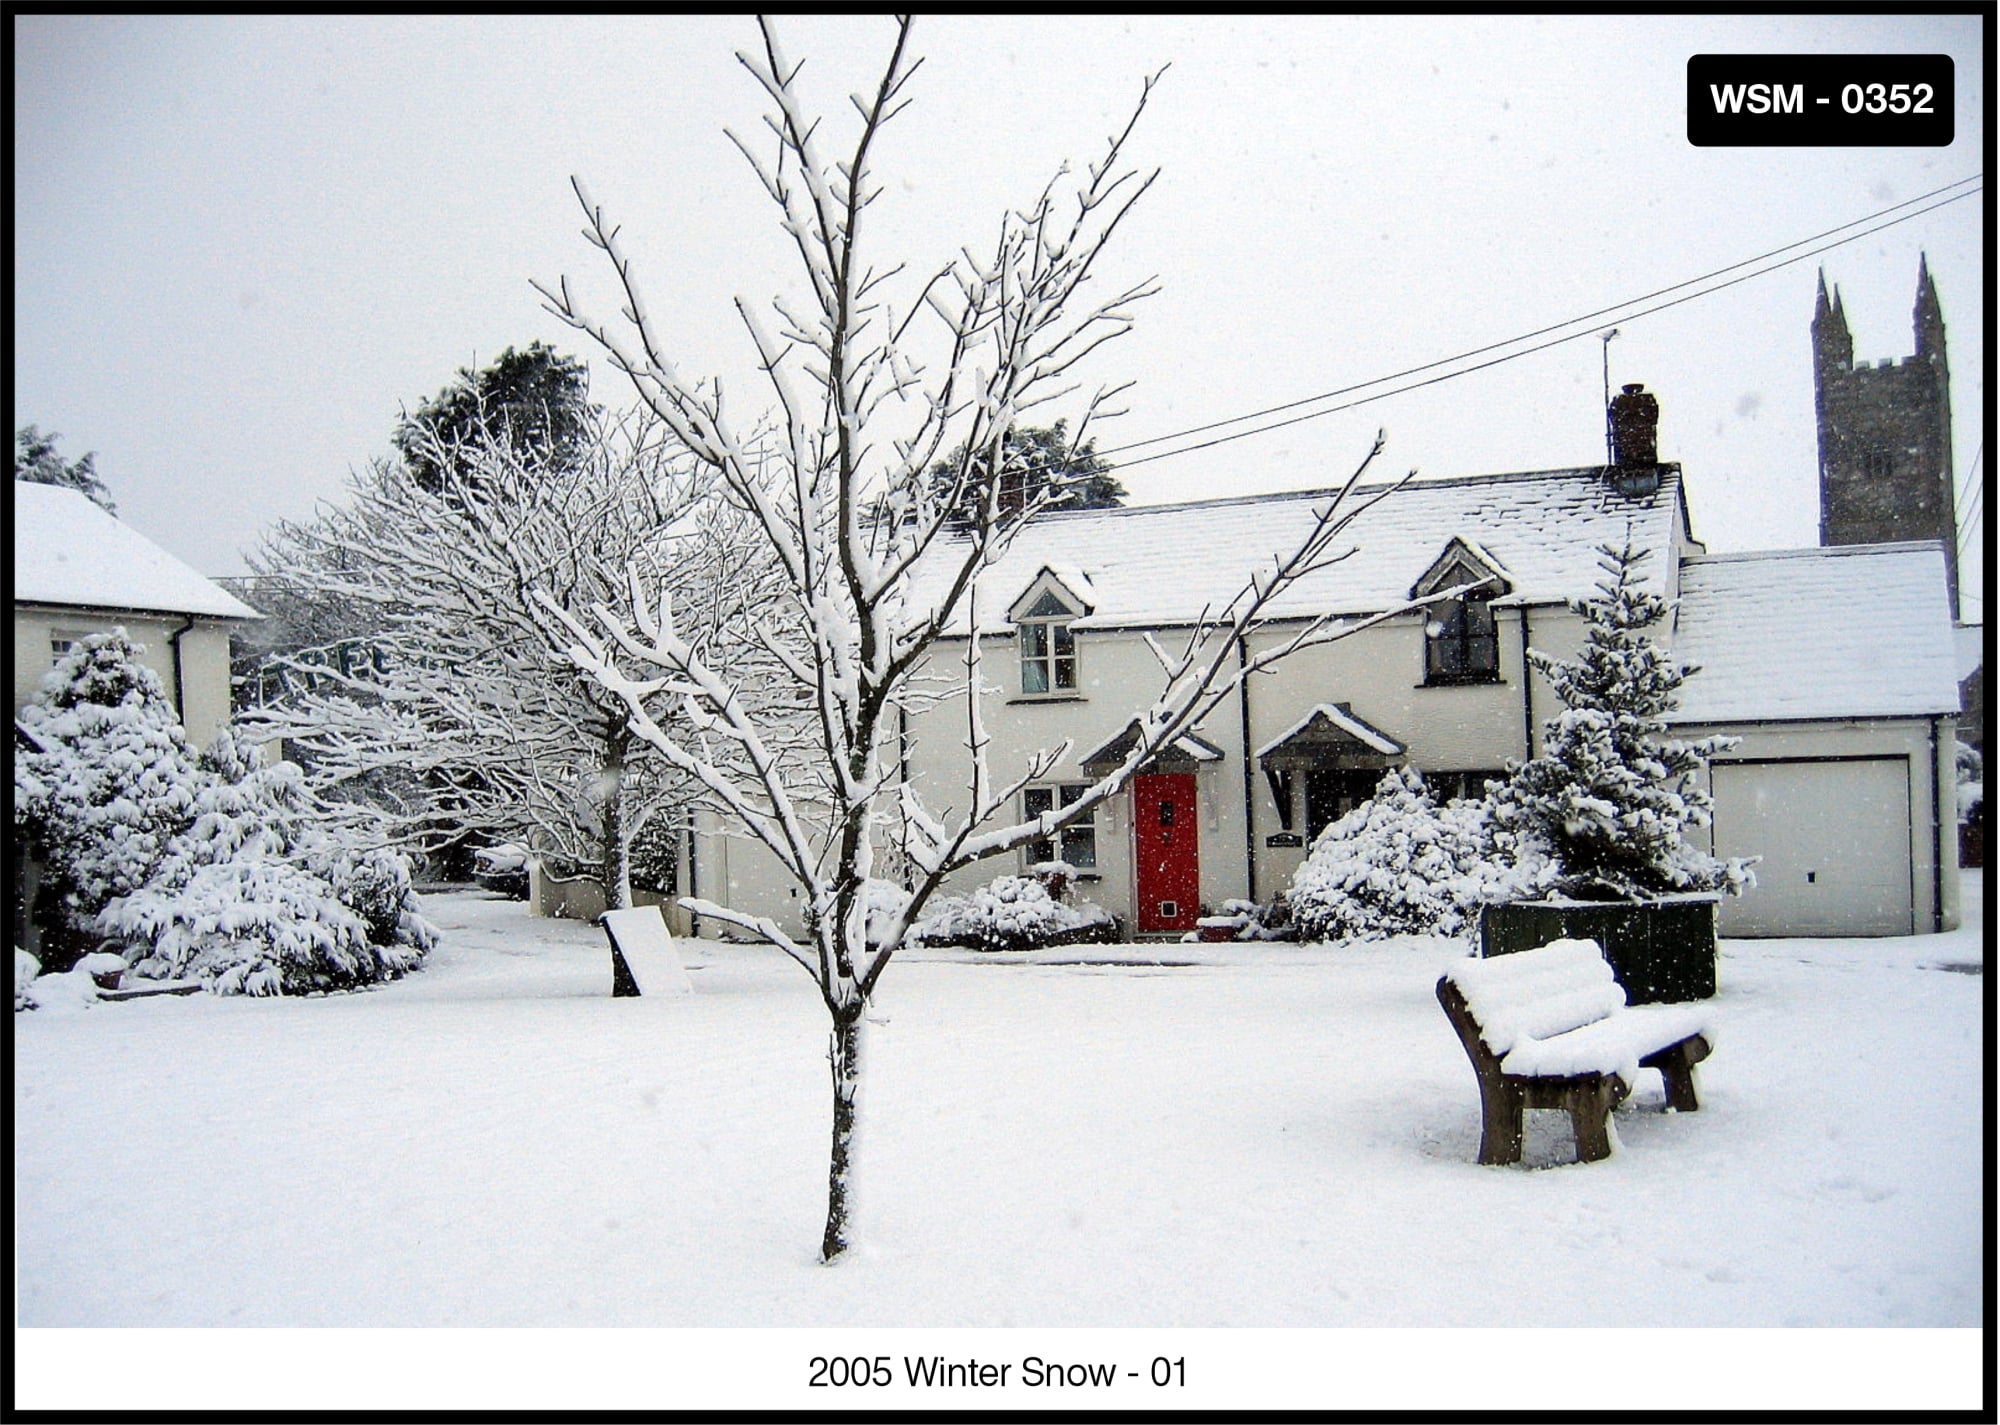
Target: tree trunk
x,y
615,835
844,1055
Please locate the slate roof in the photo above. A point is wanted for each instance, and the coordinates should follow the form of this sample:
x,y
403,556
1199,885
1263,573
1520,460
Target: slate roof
x,y
1858,630
70,552
1162,564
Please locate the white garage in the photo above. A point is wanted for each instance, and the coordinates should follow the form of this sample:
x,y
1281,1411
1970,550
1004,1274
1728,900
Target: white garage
x,y
1833,670
1834,838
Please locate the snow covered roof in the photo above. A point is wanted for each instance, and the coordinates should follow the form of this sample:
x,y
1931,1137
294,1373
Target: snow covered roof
x,y
1162,564
1858,630
1970,640
69,551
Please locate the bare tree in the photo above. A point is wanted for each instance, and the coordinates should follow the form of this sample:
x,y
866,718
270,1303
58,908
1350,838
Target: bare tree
x,y
878,559
458,707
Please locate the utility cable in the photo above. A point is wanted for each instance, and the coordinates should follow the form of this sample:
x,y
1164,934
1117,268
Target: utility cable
x,y
1526,351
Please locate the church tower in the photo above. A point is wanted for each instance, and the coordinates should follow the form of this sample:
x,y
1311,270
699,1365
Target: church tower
x,y
1885,434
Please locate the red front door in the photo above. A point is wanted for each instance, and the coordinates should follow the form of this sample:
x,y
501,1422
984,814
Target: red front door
x,y
1169,851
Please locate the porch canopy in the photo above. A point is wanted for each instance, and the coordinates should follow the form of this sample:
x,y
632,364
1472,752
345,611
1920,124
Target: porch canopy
x,y
1185,753
1331,735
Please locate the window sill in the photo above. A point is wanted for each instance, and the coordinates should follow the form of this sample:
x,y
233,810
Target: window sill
x,y
1471,682
1046,698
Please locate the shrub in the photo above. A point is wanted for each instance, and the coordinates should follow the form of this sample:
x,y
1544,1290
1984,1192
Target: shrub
x,y
1399,864
209,865
254,926
1266,920
103,780
1011,913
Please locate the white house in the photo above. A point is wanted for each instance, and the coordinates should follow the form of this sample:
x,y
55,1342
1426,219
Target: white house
x,y
1835,666
79,570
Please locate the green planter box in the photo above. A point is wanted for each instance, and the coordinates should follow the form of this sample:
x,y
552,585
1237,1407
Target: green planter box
x,y
1661,951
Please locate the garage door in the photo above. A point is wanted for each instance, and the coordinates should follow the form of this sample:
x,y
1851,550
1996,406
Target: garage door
x,y
1835,842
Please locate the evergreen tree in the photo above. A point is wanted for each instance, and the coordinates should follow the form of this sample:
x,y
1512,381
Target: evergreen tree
x,y
536,400
103,779
1037,464
206,864
36,461
1610,801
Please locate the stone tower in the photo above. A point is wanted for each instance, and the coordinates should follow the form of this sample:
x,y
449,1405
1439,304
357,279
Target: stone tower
x,y
1885,434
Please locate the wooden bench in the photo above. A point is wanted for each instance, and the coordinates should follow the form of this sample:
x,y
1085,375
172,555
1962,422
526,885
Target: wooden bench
x,y
1550,1028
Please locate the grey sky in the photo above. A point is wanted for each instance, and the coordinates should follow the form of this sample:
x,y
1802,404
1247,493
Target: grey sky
x,y
242,245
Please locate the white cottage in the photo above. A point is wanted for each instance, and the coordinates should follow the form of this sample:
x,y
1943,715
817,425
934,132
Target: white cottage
x,y
1835,667
80,570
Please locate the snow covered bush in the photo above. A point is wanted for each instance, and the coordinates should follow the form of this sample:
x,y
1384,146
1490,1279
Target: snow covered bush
x,y
26,968
1011,913
103,779
1610,801
253,926
1971,778
1269,920
207,865
264,894
1400,864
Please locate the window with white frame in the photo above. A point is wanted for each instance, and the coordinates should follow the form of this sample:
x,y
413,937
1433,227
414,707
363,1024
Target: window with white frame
x,y
1048,648
1075,844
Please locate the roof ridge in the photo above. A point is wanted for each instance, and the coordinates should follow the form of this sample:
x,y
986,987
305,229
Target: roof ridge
x,y
1670,469
1815,551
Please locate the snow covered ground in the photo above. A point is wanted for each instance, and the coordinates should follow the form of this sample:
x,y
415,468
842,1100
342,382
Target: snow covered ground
x,y
1241,1136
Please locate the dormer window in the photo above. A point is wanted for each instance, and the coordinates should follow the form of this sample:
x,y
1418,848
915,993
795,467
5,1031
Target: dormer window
x,y
1461,644
1461,640
1042,617
1048,647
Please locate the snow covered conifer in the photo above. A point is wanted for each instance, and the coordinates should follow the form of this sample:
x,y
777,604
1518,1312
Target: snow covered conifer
x,y
1611,800
264,893
208,865
103,779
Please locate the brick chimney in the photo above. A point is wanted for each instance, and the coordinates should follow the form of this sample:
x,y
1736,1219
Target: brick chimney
x,y
1635,441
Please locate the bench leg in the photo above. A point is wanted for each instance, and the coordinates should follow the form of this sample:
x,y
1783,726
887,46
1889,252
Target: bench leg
x,y
1676,1065
1590,1105
1679,1075
1500,1131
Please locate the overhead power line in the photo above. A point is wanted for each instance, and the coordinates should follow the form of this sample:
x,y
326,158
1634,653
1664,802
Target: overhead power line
x,y
1621,311
1969,486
